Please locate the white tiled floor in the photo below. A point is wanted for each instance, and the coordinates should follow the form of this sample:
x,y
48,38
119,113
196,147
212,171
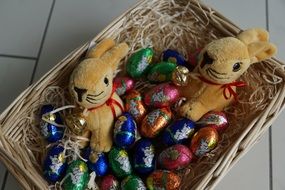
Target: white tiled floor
x,y
41,32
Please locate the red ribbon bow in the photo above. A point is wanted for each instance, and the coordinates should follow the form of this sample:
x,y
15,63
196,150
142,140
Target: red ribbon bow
x,y
226,87
110,102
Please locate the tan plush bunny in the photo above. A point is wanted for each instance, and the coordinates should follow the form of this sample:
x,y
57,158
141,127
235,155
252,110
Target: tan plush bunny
x,y
213,83
91,85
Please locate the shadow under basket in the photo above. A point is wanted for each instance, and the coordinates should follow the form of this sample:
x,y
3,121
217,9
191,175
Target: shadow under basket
x,y
177,24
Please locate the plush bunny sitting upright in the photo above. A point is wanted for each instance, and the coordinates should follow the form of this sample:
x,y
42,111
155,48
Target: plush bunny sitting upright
x,y
220,64
91,85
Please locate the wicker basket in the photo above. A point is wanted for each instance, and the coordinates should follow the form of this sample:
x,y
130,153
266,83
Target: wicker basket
x,y
21,149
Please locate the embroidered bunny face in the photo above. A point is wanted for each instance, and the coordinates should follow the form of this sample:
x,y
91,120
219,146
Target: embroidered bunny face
x,y
225,60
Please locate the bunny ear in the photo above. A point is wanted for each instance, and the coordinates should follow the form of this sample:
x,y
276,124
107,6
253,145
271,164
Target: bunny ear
x,y
113,56
101,48
259,51
254,35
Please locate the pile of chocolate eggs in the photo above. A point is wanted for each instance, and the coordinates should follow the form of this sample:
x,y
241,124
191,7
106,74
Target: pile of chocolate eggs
x,y
150,142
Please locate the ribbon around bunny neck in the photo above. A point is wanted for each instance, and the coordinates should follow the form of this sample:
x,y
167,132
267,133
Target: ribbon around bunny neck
x,y
226,87
111,102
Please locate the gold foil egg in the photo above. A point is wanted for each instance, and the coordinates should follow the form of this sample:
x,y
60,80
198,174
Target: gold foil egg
x,y
180,76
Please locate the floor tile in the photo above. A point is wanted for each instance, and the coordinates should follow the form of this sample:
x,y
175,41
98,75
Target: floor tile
x,y
12,183
15,75
2,173
75,22
22,23
277,29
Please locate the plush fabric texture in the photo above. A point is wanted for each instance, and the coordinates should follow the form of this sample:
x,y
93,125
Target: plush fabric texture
x,y
220,63
91,85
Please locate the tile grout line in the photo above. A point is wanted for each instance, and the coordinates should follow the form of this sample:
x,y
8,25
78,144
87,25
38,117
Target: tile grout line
x,y
34,69
270,129
42,42
18,56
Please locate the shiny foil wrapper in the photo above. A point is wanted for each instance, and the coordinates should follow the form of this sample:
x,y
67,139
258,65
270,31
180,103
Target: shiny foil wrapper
x,y
55,164
144,157
203,141
132,182
163,95
175,157
161,72
135,106
174,57
76,122
155,121
50,131
180,76
163,179
125,131
123,85
139,62
178,132
109,182
119,162
100,166
215,119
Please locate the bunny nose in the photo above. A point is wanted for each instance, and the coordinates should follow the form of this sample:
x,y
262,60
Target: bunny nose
x,y
80,93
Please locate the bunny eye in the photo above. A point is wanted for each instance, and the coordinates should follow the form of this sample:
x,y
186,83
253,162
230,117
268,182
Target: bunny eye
x,y
106,81
236,67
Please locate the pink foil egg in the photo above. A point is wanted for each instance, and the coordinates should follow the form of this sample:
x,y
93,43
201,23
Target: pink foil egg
x,y
215,119
109,182
123,85
175,157
162,95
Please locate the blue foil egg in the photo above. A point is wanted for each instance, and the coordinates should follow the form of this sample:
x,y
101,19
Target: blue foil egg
x,y
125,131
178,132
55,164
49,131
100,167
144,159
174,57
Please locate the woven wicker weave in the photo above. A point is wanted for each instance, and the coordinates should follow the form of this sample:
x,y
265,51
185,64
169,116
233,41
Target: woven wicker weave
x,y
21,148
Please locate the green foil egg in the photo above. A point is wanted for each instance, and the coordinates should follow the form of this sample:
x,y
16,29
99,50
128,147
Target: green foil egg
x,y
119,162
132,182
78,176
139,62
161,72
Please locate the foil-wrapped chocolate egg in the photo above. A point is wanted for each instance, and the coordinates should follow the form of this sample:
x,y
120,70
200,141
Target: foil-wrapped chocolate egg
x,y
123,85
163,179
175,157
78,176
100,166
180,76
135,106
174,57
163,95
119,162
215,119
125,131
109,182
155,121
144,160
55,164
161,72
139,62
132,182
178,132
203,141
50,131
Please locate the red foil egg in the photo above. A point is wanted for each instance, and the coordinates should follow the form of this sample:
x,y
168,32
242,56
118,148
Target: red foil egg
x,y
135,106
163,179
155,121
123,85
215,119
162,95
109,182
175,157
203,141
